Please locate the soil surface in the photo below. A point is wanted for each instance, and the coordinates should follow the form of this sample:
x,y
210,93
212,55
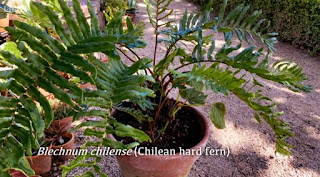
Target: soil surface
x,y
182,132
61,141
252,145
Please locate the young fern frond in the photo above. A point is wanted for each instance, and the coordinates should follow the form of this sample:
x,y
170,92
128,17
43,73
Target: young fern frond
x,y
157,11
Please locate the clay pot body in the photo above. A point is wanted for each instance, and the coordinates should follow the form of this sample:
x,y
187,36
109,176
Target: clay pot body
x,y
61,126
132,16
41,164
69,146
87,86
177,165
4,22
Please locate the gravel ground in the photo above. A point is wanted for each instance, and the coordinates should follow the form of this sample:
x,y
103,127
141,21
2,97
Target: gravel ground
x,y
252,145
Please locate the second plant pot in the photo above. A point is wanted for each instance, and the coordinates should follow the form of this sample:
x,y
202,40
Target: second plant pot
x,y
4,21
61,126
41,164
67,147
177,165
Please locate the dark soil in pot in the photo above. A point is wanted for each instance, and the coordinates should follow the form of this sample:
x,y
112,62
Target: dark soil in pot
x,y
61,141
184,131
66,142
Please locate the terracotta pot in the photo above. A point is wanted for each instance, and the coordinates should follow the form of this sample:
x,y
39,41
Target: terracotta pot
x,y
4,22
61,126
167,165
46,94
41,164
132,16
87,86
69,146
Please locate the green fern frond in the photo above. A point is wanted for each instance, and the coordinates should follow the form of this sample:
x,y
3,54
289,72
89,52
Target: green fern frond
x,y
133,112
157,11
42,56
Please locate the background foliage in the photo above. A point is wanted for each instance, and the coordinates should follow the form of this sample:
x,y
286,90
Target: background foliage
x,y
296,21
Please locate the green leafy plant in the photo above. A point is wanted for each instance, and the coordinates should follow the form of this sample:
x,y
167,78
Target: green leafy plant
x,y
33,15
297,22
132,6
147,82
230,69
42,56
61,111
4,9
111,6
10,47
222,71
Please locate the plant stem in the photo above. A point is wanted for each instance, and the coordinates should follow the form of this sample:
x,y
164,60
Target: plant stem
x,y
156,32
135,54
126,55
132,59
155,50
160,105
204,61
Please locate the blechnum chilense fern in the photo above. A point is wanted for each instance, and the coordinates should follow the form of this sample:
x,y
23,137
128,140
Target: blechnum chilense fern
x,y
229,70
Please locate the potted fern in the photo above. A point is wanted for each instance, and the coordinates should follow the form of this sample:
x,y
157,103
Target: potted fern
x,y
58,133
230,69
141,92
63,144
221,70
41,163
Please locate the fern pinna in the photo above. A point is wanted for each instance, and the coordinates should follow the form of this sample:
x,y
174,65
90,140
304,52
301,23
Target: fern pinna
x,y
42,56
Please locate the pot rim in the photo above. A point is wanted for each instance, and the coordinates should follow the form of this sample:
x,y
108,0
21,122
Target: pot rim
x,y
203,141
65,118
36,156
71,139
